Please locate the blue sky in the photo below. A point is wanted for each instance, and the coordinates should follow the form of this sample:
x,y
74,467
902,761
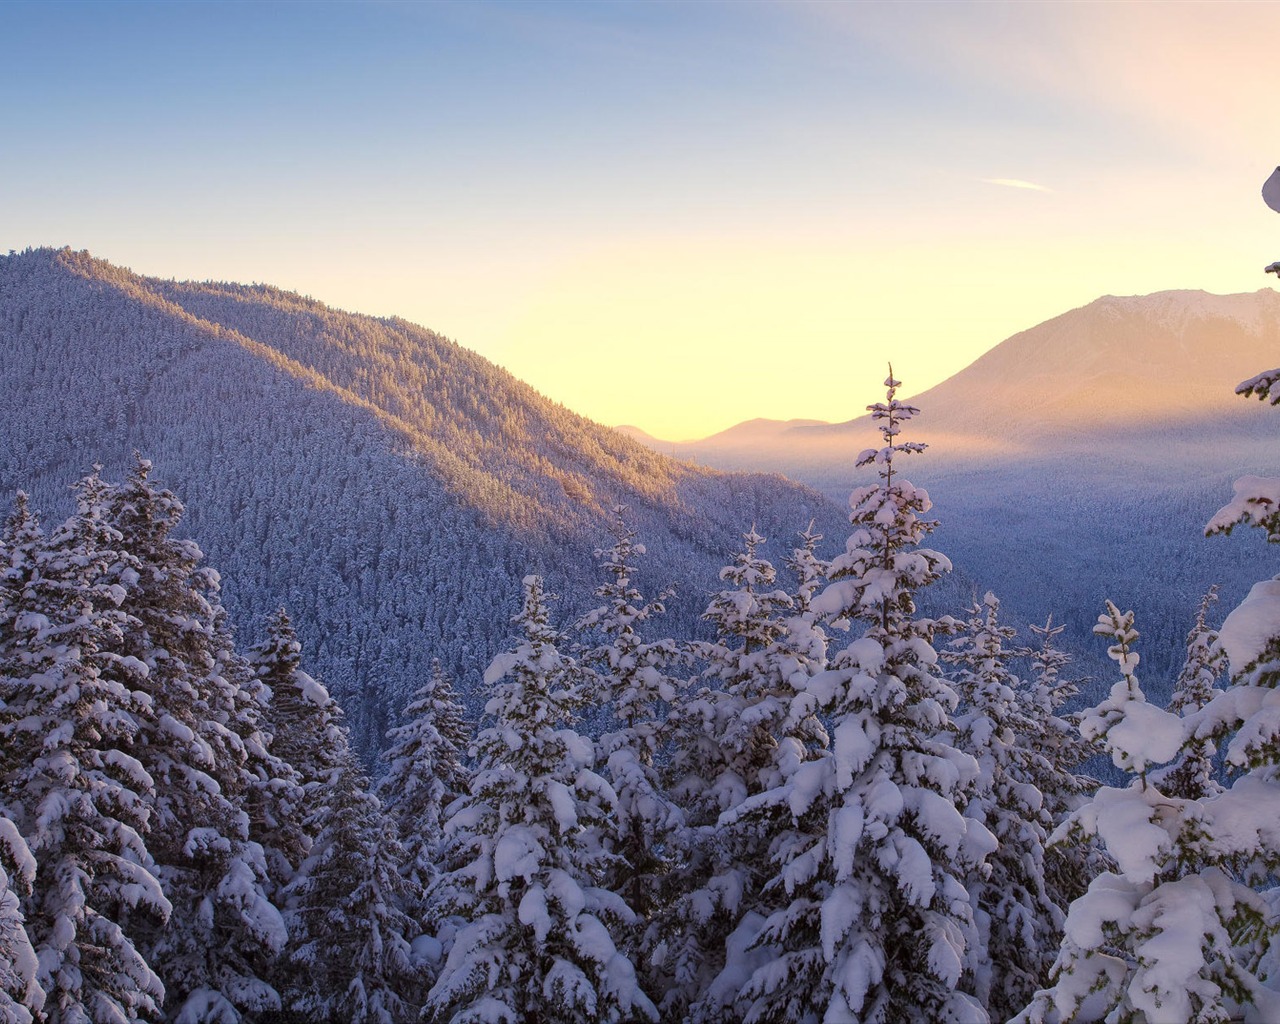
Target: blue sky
x,y
693,196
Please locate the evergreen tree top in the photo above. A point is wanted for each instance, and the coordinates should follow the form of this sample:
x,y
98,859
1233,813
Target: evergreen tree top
x,y
889,416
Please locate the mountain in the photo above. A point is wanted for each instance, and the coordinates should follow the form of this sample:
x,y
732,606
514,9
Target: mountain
x,y
385,484
1166,362
1079,459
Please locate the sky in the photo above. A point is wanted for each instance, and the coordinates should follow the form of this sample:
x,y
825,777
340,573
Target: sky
x,y
675,216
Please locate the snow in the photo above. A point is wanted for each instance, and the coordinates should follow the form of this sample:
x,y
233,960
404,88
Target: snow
x,y
312,691
1146,735
1256,501
846,835
839,911
1256,621
533,912
1110,899
563,805
427,949
852,743
205,1006
1127,822
15,853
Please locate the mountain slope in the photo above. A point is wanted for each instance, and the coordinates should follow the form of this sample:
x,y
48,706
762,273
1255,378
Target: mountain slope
x,y
1136,362
388,486
1165,363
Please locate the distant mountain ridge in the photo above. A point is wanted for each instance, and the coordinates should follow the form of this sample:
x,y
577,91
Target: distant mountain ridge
x,y
1142,361
1079,459
388,486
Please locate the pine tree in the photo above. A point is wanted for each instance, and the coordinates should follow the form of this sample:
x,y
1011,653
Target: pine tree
x,y
537,937
1154,940
305,741
80,800
348,898
628,677
21,996
425,774
20,544
871,919
1191,774
348,954
193,745
810,570
722,742
740,734
1018,924
1057,750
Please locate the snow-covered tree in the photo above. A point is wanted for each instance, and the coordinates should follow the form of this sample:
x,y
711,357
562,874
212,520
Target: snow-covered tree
x,y
193,745
754,732
352,932
80,800
21,542
1159,938
726,750
871,920
337,853
810,570
1018,923
628,677
1180,931
338,857
21,996
425,774
1191,774
537,937
306,744
1058,751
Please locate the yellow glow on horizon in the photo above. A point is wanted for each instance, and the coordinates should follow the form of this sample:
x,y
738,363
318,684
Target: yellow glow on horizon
x,y
679,338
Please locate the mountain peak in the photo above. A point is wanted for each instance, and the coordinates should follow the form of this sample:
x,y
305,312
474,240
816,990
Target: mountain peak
x,y
1151,361
1120,359
1174,308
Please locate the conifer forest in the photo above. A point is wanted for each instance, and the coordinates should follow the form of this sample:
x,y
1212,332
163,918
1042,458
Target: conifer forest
x,y
824,807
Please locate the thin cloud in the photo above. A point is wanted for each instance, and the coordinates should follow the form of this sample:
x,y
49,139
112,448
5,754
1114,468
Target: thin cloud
x,y
1016,183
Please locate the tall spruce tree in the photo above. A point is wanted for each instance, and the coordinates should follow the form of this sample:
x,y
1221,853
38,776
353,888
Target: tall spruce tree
x,y
21,996
787,719
348,954
352,935
1058,750
1159,938
426,772
537,937
628,677
81,801
1019,925
724,738
871,920
1191,774
305,741
193,745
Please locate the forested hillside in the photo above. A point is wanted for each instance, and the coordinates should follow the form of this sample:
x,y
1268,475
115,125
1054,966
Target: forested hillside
x,y
832,807
386,485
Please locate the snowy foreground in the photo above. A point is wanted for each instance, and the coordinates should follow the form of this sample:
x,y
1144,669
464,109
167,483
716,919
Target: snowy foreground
x,y
833,811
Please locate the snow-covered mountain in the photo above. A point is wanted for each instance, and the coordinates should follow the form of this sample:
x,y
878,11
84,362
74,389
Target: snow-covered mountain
x,y
388,486
1079,459
1163,363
